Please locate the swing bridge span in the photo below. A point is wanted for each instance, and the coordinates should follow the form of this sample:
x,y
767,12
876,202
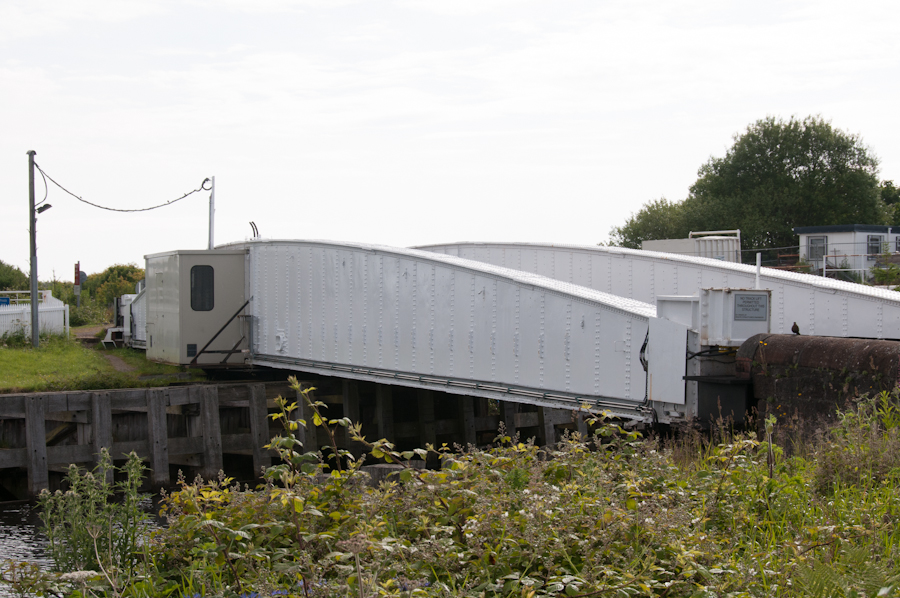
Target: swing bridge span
x,y
551,325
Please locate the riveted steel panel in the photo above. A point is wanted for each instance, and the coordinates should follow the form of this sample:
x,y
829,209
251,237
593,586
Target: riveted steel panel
x,y
667,341
425,318
820,306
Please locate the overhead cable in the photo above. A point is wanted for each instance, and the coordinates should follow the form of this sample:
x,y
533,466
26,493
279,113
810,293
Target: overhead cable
x,y
202,187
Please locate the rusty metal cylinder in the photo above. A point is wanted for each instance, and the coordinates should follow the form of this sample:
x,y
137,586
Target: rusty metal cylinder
x,y
819,372
823,352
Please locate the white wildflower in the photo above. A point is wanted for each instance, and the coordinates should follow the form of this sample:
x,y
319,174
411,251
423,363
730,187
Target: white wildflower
x,y
78,576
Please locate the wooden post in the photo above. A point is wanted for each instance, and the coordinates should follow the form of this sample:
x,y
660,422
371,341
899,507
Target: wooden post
x,y
350,390
508,410
467,419
427,432
259,428
546,429
84,430
158,436
384,412
101,426
211,431
36,441
580,424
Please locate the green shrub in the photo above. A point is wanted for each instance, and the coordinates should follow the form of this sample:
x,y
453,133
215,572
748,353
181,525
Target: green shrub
x,y
863,448
12,279
113,282
20,338
88,531
613,514
89,313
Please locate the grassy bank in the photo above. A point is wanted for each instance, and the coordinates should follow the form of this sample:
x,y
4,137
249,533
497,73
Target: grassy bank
x,y
611,515
64,364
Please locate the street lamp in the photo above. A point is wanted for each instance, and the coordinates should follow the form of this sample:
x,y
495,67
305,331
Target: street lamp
x,y
35,319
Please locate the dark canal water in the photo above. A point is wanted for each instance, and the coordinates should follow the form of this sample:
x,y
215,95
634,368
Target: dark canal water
x,y
20,534
21,538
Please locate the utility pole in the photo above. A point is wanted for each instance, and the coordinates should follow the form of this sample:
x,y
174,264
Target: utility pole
x,y
35,325
212,213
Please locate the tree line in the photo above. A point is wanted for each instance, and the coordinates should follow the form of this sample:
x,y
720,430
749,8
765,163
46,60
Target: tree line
x,y
98,292
778,175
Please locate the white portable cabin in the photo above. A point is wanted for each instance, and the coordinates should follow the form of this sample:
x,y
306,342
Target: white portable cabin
x,y
723,245
193,298
853,247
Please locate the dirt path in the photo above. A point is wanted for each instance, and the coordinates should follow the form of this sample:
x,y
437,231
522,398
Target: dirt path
x,y
89,333
88,337
118,364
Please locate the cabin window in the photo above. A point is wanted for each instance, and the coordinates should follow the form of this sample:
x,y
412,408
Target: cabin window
x,y
817,248
874,246
202,296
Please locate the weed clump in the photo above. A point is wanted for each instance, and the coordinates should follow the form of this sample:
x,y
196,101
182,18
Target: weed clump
x,y
863,448
611,514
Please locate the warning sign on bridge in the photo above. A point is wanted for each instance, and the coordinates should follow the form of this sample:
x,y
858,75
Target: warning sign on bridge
x,y
751,306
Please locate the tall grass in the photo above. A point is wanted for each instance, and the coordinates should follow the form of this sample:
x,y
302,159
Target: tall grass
x,y
614,514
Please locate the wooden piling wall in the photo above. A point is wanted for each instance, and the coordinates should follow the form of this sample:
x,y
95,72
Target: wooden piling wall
x,y
197,426
174,426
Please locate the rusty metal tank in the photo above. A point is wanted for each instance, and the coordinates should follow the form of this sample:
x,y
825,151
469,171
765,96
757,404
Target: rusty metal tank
x,y
812,375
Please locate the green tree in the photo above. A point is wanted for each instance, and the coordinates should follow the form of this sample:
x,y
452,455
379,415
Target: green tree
x,y
13,279
777,175
657,219
113,282
890,195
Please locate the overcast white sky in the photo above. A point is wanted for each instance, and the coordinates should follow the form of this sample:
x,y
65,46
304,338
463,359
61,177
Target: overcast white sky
x,y
405,122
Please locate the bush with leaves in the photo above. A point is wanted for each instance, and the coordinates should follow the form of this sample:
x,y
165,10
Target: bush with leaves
x,y
614,514
12,279
113,282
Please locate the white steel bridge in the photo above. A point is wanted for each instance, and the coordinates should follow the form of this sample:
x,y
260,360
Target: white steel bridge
x,y
550,325
819,306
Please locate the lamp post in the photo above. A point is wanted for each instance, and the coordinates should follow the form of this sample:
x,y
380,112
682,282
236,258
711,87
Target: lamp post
x,y
32,221
35,314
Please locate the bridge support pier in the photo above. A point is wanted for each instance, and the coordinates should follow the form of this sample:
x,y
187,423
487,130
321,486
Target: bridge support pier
x,y
546,427
581,425
259,427
427,431
350,392
508,411
384,412
307,435
467,420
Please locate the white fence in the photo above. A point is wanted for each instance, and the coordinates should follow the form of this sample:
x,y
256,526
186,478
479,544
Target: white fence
x,y
53,316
